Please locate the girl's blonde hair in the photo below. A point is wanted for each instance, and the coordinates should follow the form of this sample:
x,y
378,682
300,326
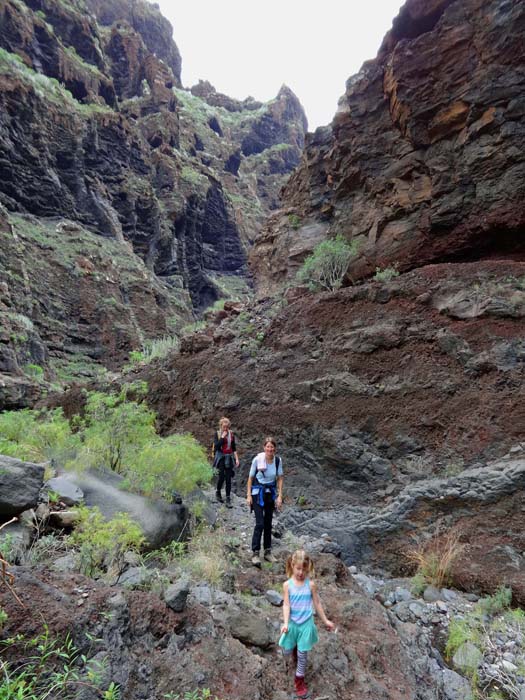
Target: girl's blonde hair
x,y
300,557
225,420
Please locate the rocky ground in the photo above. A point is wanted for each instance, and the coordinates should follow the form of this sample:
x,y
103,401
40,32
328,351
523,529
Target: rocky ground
x,y
181,633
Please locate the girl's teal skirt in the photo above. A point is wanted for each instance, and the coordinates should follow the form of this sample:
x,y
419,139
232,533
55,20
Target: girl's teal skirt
x,y
302,636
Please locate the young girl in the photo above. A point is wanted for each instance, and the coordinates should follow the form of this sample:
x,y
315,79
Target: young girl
x,y
299,632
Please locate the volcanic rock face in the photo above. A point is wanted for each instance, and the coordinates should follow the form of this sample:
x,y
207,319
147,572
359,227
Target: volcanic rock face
x,y
423,161
95,129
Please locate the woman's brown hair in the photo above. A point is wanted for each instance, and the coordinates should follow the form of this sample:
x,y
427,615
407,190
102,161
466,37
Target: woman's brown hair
x,y
269,440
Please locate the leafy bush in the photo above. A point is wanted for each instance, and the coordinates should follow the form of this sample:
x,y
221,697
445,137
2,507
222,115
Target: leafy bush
x,y
295,221
387,273
35,371
162,466
327,265
36,435
103,543
112,430
435,558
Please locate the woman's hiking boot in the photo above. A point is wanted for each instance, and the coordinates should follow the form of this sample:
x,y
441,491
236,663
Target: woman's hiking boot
x,y
301,691
268,556
219,497
256,559
228,502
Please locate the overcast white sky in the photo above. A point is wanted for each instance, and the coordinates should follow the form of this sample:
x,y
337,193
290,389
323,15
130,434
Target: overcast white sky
x,y
246,48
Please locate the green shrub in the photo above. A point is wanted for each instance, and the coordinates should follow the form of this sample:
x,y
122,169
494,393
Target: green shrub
x,y
493,604
3,618
112,430
103,543
36,436
47,668
294,221
115,432
175,463
387,273
327,265
35,371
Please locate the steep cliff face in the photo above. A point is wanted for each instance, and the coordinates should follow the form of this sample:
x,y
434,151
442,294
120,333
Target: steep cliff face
x,y
423,161
96,129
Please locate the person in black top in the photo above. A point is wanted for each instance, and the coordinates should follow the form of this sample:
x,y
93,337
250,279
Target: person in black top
x,y
225,458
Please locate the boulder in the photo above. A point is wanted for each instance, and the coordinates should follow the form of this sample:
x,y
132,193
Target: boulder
x,y
20,484
161,522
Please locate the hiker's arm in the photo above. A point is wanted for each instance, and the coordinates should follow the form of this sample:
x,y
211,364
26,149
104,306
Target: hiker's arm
x,y
286,608
249,491
279,491
234,448
319,607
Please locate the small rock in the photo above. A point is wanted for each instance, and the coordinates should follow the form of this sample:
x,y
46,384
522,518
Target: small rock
x,y
509,666
431,594
63,519
175,596
352,569
401,594
202,594
67,563
448,595
135,577
274,598
468,657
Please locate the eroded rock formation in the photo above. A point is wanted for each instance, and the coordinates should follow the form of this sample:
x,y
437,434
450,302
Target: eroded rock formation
x,y
97,132
423,161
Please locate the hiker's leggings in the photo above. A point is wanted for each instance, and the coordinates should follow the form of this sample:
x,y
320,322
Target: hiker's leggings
x,y
225,475
263,523
302,658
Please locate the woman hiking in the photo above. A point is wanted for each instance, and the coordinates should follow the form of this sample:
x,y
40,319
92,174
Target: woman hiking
x,y
264,493
225,458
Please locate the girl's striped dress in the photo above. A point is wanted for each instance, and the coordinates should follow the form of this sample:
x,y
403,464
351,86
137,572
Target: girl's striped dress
x,y
302,632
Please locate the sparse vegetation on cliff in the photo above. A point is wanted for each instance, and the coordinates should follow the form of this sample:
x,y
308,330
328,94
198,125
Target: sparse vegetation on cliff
x,y
325,268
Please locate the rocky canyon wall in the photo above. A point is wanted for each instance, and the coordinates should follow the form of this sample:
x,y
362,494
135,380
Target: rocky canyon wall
x,y
423,161
98,136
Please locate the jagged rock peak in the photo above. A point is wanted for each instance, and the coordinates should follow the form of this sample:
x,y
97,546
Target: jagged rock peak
x,y
206,91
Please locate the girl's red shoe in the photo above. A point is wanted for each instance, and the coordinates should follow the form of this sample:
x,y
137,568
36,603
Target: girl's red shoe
x,y
301,691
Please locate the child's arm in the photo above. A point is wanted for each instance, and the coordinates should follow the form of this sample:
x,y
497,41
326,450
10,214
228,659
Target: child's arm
x,y
286,608
319,607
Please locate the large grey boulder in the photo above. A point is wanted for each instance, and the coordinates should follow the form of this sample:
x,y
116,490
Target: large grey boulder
x,y
161,522
20,484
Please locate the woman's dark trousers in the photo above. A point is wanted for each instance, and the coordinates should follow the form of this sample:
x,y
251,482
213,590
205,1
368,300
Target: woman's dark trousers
x,y
263,523
225,468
